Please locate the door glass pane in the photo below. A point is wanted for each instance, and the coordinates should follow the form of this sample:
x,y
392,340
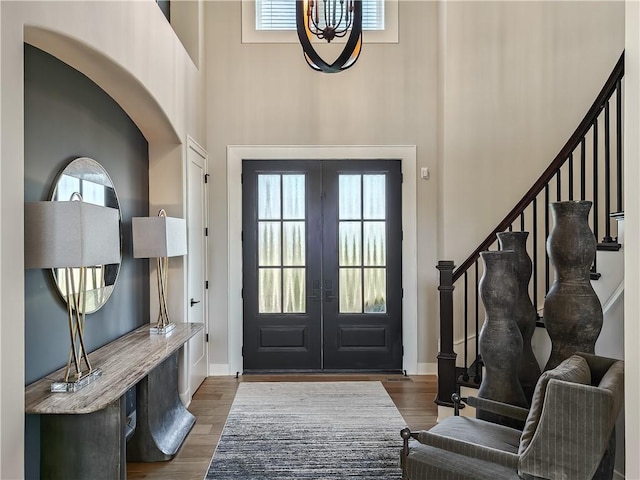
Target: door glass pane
x,y
349,197
293,248
269,290
375,290
293,197
268,197
294,290
268,244
373,193
350,290
350,247
374,244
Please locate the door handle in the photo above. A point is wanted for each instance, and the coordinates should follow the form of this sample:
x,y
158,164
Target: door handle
x,y
328,291
316,292
328,296
193,302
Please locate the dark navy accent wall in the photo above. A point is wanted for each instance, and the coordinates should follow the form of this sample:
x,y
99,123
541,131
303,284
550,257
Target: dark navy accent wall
x,y
68,116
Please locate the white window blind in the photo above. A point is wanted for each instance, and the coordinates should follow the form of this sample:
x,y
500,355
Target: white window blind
x,y
281,14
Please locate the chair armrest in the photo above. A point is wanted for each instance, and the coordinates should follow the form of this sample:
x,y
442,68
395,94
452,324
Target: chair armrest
x,y
499,408
406,434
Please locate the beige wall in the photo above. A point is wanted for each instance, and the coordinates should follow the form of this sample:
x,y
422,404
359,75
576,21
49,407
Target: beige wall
x,y
266,94
632,237
518,78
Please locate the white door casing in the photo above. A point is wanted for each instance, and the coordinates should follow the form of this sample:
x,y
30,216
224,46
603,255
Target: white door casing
x,y
407,154
197,260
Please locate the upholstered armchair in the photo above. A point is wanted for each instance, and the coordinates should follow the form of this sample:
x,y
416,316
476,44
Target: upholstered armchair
x,y
568,432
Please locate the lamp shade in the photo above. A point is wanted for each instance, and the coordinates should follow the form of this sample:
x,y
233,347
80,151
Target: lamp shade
x,y
70,234
155,237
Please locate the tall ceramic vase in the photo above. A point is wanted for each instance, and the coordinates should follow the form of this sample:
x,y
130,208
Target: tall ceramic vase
x,y
572,310
524,312
500,339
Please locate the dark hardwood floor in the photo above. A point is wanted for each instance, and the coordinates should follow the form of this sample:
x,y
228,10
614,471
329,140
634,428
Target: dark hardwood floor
x,y
413,396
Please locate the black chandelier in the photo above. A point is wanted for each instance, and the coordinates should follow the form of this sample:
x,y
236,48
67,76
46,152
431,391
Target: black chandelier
x,y
329,19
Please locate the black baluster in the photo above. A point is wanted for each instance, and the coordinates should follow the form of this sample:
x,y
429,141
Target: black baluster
x,y
477,378
465,376
522,222
607,178
558,186
571,176
535,253
594,268
546,235
619,143
595,177
583,168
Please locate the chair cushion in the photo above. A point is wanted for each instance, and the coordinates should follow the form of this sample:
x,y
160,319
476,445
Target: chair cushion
x,y
473,431
429,463
574,369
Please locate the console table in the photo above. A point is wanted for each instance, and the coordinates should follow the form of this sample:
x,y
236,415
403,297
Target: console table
x,y
83,433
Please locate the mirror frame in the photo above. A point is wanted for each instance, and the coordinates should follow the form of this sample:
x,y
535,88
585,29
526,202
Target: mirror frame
x,y
86,177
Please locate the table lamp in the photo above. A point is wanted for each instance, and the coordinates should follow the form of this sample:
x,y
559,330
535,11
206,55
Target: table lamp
x,y
160,237
72,235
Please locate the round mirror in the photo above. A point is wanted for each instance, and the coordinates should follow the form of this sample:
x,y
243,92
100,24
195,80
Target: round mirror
x,y
88,178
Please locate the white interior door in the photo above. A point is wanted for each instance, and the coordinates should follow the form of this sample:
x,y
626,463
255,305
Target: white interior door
x,y
197,260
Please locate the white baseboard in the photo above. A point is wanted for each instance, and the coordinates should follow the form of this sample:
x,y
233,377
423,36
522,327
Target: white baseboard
x,y
222,369
185,398
219,370
427,369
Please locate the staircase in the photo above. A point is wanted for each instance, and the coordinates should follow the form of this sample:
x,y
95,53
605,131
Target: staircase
x,y
588,167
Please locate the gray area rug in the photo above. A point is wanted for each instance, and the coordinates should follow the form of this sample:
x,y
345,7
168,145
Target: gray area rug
x,y
316,430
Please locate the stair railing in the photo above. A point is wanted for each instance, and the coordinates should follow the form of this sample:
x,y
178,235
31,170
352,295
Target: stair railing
x,y
582,170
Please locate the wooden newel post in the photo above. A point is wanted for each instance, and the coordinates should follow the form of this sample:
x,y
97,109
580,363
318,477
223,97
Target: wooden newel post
x,y
446,356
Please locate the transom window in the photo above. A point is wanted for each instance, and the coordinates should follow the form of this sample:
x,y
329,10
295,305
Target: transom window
x,y
274,21
281,14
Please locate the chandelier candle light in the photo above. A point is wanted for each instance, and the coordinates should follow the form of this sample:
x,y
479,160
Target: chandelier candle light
x,y
327,20
160,237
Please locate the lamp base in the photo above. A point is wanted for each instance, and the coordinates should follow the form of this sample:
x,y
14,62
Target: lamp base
x,y
70,387
162,330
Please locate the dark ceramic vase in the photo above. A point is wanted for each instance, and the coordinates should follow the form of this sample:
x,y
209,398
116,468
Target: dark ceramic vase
x,y
500,339
524,312
572,310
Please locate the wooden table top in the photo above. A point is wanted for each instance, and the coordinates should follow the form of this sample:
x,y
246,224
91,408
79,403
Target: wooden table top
x,y
124,362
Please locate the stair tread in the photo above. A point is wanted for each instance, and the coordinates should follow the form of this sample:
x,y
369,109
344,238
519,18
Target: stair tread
x,y
609,246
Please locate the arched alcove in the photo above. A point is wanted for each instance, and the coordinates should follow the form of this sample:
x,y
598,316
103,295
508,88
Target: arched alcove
x,y
121,85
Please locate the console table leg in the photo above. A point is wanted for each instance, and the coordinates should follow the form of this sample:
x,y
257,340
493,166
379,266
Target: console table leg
x,y
84,446
162,421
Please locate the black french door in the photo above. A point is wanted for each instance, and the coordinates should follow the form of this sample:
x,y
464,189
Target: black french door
x,y
322,280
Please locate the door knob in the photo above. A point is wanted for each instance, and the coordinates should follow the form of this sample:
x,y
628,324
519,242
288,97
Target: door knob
x,y
193,302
